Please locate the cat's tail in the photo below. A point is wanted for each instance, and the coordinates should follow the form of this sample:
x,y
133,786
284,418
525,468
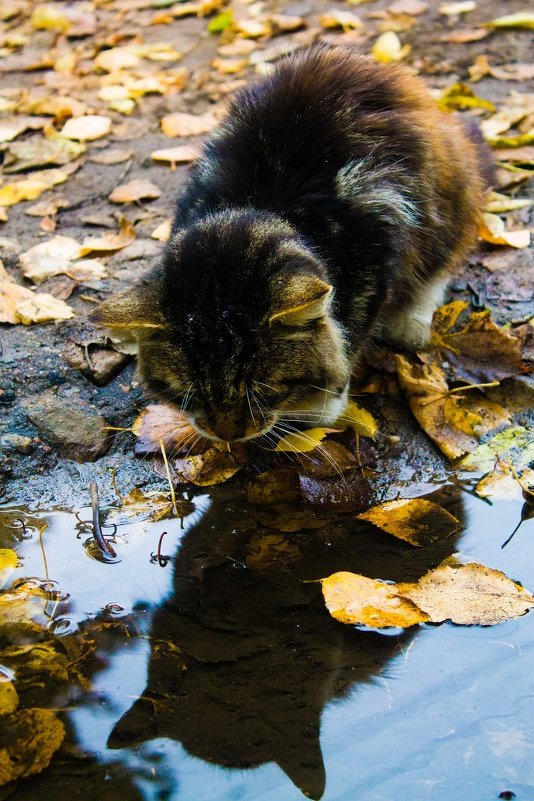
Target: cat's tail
x,y
486,160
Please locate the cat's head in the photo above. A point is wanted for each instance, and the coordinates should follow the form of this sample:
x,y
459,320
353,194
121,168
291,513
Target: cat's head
x,y
234,326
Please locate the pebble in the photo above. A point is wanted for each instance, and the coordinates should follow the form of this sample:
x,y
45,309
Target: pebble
x,y
15,442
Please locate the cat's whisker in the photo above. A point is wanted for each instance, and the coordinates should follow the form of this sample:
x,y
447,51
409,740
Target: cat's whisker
x,y
317,446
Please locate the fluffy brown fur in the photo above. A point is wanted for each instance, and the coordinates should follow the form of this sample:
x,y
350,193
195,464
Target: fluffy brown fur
x,y
327,210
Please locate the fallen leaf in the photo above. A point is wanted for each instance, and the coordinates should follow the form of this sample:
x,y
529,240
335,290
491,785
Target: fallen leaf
x,y
502,483
182,154
33,187
221,22
47,16
272,550
454,423
478,350
145,506
86,270
468,595
49,258
523,19
500,204
501,121
229,66
514,445
493,230
21,305
339,18
163,231
117,58
9,699
417,520
388,48
214,466
252,28
181,124
273,487
87,128
459,96
515,155
25,603
302,441
115,156
164,423
59,106
350,493
109,242
8,563
355,599
28,740
359,419
47,208
504,72
138,189
10,129
454,9
412,8
512,141
464,35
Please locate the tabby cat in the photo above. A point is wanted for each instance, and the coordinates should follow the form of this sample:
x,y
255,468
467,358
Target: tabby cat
x,y
327,211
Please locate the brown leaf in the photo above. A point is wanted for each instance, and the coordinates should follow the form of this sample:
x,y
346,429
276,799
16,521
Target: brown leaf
x,y
214,466
28,740
163,423
271,550
138,189
465,35
479,350
454,423
109,242
182,154
417,520
181,124
21,305
351,598
469,594
115,156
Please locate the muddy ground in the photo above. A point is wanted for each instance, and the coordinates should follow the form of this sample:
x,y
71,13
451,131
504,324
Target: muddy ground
x,y
62,412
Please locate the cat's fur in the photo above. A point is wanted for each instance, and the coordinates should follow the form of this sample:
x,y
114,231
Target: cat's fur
x,y
327,210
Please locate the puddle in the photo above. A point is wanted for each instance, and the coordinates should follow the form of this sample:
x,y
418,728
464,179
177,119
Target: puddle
x,y
222,676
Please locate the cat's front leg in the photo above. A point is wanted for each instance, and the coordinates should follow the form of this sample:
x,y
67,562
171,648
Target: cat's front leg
x,y
409,326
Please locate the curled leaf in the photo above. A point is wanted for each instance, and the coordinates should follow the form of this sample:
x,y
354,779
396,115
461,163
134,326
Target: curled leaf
x,y
493,230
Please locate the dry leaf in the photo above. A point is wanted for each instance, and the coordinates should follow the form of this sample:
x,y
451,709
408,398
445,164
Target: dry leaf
x,y
49,258
273,487
252,28
518,155
358,418
33,187
412,8
86,270
164,423
502,483
58,106
9,699
351,598
388,48
47,16
115,156
21,305
512,141
503,120
500,204
523,19
417,520
145,506
87,128
464,35
339,18
454,423
213,466
10,129
493,230
109,242
8,563
469,595
163,231
28,742
138,189
182,154
514,445
303,441
459,96
180,124
453,9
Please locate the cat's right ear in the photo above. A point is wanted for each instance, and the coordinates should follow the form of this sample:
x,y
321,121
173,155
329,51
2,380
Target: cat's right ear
x,y
137,310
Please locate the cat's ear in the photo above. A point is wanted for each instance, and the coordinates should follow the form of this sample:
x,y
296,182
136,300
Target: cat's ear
x,y
136,310
300,299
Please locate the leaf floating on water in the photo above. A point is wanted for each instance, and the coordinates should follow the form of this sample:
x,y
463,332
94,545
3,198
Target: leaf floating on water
x,y
514,445
355,599
503,482
28,740
469,595
8,563
417,520
493,230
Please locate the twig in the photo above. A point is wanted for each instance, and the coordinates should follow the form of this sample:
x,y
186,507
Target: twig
x,y
102,543
168,472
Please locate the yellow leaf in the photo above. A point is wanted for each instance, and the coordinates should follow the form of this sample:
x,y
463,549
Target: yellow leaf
x,y
358,419
501,483
515,444
8,563
417,520
162,232
512,141
388,48
351,598
49,258
9,699
181,124
500,204
138,189
338,18
47,16
459,95
34,186
109,242
523,19
176,155
87,128
452,9
303,441
493,230
20,305
30,737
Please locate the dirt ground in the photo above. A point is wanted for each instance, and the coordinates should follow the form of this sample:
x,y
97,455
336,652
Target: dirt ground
x,y
37,381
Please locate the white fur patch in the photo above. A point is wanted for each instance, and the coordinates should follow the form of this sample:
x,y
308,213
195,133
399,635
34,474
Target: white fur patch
x,y
411,327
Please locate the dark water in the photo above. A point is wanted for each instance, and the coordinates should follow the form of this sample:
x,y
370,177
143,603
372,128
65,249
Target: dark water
x,y
231,682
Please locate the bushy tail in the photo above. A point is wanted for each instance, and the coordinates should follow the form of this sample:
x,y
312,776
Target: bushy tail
x,y
486,160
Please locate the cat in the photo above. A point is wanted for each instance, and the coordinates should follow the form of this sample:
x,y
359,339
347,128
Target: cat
x,y
327,211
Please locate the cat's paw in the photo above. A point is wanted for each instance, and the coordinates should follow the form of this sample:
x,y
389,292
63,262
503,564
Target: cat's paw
x,y
408,331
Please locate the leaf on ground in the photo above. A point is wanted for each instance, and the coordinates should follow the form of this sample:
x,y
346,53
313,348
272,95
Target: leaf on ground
x,y
86,270
515,445
138,189
515,155
518,141
59,106
49,258
87,128
468,595
9,699
20,305
340,18
416,520
162,232
11,128
502,483
28,740
479,350
388,48
523,19
214,466
355,599
115,156
494,231
40,152
502,121
303,441
163,423
453,9
32,187
146,506
460,96
350,493
498,203
504,72
181,124
182,154
8,563
464,35
109,242
359,419
454,423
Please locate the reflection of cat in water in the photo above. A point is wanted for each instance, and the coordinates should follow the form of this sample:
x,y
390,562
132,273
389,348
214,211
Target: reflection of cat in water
x,y
244,660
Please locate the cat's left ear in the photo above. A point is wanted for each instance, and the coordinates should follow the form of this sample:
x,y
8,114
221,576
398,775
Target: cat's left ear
x,y
136,309
301,299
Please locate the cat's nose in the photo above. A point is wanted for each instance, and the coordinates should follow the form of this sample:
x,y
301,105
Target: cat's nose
x,y
227,427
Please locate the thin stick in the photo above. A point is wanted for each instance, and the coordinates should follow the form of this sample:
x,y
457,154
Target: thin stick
x,y
102,543
168,472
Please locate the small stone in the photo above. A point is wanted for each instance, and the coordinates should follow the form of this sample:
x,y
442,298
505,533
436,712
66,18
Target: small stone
x,y
96,363
77,432
15,442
